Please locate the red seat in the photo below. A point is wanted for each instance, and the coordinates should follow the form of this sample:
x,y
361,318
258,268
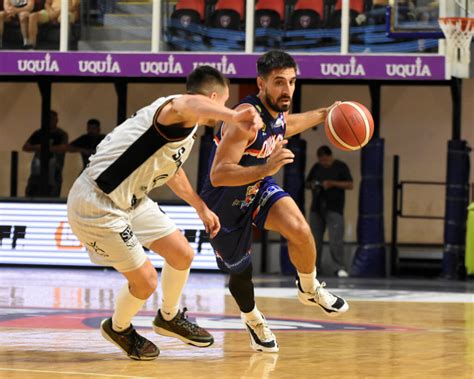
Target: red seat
x,y
273,5
194,5
315,5
354,5
237,6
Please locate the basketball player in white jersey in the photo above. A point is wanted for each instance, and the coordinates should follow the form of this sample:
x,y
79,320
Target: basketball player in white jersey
x,y
111,214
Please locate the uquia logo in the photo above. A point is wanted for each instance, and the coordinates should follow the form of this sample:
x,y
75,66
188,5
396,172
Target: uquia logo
x,y
343,69
107,66
224,66
157,68
35,66
417,69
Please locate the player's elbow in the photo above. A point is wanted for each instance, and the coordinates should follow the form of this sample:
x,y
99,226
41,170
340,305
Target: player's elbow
x,y
216,177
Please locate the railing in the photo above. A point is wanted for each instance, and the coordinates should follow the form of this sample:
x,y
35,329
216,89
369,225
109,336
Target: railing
x,y
398,211
158,12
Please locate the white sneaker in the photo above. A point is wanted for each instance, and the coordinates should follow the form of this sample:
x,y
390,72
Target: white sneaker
x,y
342,273
261,337
331,304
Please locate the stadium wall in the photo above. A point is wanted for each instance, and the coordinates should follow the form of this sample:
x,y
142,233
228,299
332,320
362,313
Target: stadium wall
x,y
416,124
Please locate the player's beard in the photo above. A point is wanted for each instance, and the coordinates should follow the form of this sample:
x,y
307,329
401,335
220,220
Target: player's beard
x,y
274,104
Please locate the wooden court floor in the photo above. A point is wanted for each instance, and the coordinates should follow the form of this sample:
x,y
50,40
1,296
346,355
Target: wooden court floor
x,y
49,320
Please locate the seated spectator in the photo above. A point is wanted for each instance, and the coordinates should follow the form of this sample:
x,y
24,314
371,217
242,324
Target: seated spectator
x,y
50,14
16,10
376,15
87,143
58,139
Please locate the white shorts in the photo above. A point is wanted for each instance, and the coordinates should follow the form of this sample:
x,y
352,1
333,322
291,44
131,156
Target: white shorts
x,y
113,236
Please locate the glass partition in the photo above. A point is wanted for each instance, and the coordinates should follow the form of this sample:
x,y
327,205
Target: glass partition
x,y
312,26
304,25
201,25
406,27
27,25
109,25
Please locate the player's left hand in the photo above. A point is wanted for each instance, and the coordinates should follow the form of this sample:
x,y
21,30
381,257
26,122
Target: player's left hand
x,y
326,110
248,119
210,221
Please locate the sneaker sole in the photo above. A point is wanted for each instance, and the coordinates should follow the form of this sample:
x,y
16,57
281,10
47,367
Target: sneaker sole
x,y
330,313
261,349
107,337
167,333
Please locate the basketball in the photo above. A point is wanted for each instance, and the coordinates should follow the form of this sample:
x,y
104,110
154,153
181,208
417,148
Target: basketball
x,y
349,126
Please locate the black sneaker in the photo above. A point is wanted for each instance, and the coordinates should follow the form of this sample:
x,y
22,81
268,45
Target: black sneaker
x,y
180,327
132,343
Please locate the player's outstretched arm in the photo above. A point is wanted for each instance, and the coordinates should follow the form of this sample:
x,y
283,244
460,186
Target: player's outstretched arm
x,y
181,186
299,122
190,110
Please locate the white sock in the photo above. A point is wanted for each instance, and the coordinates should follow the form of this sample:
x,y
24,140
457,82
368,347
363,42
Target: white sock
x,y
254,316
126,306
172,285
308,282
26,41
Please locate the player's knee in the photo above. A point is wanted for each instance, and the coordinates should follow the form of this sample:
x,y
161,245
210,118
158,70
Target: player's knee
x,y
187,257
299,230
145,286
23,16
182,259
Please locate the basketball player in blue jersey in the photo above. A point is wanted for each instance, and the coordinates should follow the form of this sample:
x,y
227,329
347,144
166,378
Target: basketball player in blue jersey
x,y
240,190
110,212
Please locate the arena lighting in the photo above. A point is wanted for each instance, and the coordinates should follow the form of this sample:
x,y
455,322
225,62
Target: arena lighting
x,y
39,234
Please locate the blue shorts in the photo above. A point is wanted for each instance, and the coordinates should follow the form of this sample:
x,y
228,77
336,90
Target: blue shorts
x,y
232,245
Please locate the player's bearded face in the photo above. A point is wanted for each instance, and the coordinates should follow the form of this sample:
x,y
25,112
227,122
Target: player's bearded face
x,y
279,88
279,104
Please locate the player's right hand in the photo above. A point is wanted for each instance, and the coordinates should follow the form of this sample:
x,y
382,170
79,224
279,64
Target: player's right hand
x,y
248,119
279,157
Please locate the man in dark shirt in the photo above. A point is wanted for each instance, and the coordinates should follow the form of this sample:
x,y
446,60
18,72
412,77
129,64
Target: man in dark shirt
x,y
58,139
328,179
87,143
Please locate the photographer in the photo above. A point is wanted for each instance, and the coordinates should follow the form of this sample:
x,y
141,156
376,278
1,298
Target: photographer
x,y
328,179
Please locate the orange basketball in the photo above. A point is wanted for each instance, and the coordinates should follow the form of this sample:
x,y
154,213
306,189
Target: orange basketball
x,y
349,126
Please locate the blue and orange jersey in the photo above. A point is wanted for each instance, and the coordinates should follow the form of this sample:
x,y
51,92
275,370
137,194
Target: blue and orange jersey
x,y
231,203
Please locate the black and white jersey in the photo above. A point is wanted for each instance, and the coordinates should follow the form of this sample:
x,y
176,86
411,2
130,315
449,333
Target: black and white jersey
x,y
139,155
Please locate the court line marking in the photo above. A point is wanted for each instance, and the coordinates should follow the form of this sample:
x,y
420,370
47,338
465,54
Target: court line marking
x,y
374,295
74,373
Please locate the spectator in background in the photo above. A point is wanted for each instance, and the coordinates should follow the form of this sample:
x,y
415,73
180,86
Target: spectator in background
x,y
87,143
328,179
16,10
58,140
50,14
376,15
